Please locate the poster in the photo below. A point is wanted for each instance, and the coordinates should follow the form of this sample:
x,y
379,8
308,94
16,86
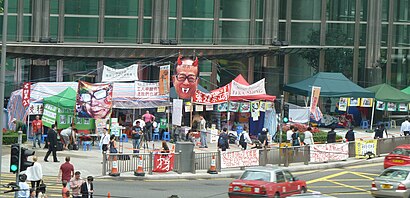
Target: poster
x,y
186,77
146,90
223,107
354,102
245,107
233,106
100,124
380,105
199,108
257,88
269,105
25,98
187,107
343,104
120,75
164,80
363,147
403,107
217,96
35,109
262,106
163,162
232,159
161,109
115,128
177,112
391,106
255,110
314,99
94,100
329,152
209,107
366,102
49,115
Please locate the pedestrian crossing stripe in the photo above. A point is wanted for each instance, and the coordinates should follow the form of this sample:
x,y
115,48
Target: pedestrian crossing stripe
x,y
53,187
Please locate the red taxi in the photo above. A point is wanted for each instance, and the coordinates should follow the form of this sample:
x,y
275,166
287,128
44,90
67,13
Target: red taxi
x,y
398,157
266,182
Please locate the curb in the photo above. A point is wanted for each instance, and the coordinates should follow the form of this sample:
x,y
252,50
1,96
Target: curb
x,y
237,173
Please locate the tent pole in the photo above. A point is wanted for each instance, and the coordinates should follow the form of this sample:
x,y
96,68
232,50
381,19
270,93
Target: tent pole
x,y
371,122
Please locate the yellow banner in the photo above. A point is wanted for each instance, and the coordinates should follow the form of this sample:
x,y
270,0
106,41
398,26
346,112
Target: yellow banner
x,y
364,147
161,109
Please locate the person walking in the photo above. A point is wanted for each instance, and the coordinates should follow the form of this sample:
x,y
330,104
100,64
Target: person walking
x,y
223,140
295,137
244,139
66,171
378,132
349,137
87,188
405,127
148,119
202,129
331,135
35,174
136,135
263,137
65,193
75,185
52,143
308,137
105,140
289,134
113,148
38,131
24,189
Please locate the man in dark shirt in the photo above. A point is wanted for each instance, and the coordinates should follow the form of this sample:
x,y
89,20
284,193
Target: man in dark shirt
x,y
136,135
350,135
331,135
52,143
66,170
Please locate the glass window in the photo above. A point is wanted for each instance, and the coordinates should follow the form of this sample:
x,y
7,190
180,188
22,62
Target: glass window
x,y
82,7
235,32
341,10
120,30
81,29
400,68
394,174
305,34
196,31
147,31
401,10
27,28
399,151
256,175
259,9
385,36
236,9
306,10
172,28
363,10
172,8
280,178
385,10
259,33
9,76
147,7
282,9
53,27
198,8
401,37
339,34
11,25
288,176
339,60
27,6
12,6
80,70
121,8
363,36
54,7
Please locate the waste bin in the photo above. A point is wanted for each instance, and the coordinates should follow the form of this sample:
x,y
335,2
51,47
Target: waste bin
x,y
185,150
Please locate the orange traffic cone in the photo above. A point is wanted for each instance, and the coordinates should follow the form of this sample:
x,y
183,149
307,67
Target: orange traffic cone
x,y
140,170
109,195
212,169
114,169
173,148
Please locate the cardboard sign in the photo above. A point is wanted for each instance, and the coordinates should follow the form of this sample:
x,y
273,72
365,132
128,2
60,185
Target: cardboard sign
x,y
363,147
163,163
231,159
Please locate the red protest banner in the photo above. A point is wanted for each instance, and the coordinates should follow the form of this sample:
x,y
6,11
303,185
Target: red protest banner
x,y
26,94
217,96
163,162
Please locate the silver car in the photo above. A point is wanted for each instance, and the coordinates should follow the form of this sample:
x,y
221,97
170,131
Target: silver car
x,y
392,182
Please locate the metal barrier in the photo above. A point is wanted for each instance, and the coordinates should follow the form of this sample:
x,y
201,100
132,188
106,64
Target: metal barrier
x,y
203,160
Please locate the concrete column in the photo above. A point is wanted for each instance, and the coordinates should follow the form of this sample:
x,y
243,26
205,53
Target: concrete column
x,y
140,35
275,21
61,21
60,71
178,31
101,21
36,20
322,36
100,66
216,35
390,41
45,19
20,20
164,21
356,51
252,23
373,42
156,21
267,23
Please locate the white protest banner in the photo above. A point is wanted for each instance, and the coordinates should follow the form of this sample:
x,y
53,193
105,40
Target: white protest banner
x,y
146,90
35,109
257,88
119,75
231,159
177,112
329,152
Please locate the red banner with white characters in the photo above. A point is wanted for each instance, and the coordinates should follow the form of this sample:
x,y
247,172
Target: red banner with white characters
x,y
216,96
26,94
163,162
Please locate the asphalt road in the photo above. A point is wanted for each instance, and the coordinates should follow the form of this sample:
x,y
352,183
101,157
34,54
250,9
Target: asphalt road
x,y
351,182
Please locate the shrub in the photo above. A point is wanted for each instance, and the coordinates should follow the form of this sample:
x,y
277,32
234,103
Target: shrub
x,y
12,137
318,137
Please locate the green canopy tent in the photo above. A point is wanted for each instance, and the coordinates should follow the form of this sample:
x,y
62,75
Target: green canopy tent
x,y
60,109
406,90
387,93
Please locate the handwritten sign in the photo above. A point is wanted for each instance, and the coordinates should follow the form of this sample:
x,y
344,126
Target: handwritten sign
x,y
328,152
35,109
244,90
26,94
163,163
231,159
363,147
146,90
216,96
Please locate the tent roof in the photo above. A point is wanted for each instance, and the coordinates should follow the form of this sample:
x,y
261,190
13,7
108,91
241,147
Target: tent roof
x,y
64,99
332,85
387,93
241,80
406,90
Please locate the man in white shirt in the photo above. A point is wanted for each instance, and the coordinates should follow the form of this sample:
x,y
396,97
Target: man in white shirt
x,y
289,134
202,128
105,140
24,191
405,127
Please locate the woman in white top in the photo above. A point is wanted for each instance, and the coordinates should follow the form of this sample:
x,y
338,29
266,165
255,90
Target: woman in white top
x,y
35,174
308,137
105,140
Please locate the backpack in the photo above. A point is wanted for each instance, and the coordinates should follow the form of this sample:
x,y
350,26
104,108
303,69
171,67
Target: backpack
x,y
242,138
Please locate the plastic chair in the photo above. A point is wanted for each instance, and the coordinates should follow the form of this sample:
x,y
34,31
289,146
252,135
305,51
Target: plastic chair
x,y
155,136
364,124
86,145
393,124
124,138
166,136
43,137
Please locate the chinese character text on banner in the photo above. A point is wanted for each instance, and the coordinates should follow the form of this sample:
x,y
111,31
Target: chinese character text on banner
x,y
164,84
26,94
314,99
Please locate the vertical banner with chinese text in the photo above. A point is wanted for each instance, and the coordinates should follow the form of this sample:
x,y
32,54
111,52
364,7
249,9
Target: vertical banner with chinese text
x,y
26,94
314,99
164,77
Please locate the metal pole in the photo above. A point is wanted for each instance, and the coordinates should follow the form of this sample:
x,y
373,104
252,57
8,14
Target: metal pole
x,y
280,125
2,73
20,140
371,121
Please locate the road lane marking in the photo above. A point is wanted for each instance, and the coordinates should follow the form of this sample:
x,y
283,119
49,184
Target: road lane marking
x,y
350,179
365,165
349,186
361,175
315,191
334,186
326,177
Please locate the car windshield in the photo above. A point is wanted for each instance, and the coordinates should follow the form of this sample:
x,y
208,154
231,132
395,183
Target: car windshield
x,y
400,151
256,175
394,174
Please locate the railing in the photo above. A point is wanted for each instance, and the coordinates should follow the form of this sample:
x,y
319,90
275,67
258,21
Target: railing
x,y
127,162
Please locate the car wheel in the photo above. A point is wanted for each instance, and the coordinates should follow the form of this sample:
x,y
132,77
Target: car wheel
x,y
304,190
277,195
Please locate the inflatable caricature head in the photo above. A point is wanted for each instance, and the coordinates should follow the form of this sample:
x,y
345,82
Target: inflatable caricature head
x,y
186,77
